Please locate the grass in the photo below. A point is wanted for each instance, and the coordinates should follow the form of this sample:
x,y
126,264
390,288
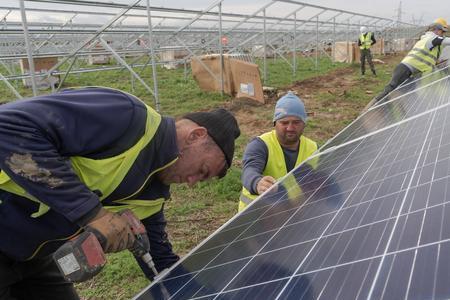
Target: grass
x,y
193,214
280,73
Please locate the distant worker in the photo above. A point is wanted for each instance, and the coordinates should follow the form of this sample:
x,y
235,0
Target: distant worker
x,y
365,41
70,161
273,154
422,58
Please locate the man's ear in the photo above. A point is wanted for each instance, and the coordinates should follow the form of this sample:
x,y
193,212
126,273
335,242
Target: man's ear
x,y
196,134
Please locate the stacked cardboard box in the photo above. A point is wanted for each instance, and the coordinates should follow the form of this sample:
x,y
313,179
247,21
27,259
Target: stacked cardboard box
x,y
241,79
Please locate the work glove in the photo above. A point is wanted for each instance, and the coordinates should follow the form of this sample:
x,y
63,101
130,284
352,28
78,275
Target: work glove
x,y
112,230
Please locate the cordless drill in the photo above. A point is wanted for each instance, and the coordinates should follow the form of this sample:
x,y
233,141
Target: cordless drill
x,y
82,257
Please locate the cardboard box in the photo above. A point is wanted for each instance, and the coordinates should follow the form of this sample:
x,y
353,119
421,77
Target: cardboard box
x,y
258,51
173,58
403,44
99,59
241,78
399,45
349,52
247,80
41,65
345,52
205,80
378,48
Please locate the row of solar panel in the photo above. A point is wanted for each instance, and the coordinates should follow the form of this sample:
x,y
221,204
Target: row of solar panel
x,y
369,217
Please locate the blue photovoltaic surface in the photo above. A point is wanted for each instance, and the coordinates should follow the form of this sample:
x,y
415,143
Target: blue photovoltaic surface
x,y
367,218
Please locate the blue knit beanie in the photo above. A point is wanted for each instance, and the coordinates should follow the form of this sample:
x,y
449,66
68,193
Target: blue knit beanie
x,y
289,105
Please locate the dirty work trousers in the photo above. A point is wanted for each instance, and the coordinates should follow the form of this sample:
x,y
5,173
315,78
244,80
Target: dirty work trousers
x,y
366,54
36,279
401,73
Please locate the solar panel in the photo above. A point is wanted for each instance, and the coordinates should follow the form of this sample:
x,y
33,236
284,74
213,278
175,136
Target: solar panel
x,y
366,218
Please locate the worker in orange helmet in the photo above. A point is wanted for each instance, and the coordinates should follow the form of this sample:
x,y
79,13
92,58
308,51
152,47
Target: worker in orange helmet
x,y
422,58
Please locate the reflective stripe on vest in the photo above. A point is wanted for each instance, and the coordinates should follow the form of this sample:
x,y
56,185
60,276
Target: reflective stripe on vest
x,y
421,58
106,174
276,165
366,41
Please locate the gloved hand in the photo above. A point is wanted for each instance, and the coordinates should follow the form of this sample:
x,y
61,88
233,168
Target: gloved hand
x,y
264,184
112,230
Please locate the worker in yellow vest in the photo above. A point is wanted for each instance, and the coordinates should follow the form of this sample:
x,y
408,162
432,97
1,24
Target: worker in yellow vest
x,y
422,58
365,41
69,161
273,154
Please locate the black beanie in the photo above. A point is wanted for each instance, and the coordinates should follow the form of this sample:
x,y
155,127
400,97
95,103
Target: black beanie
x,y
222,128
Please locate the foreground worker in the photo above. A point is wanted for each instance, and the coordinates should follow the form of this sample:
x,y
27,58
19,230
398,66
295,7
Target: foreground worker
x,y
70,160
365,42
422,58
273,154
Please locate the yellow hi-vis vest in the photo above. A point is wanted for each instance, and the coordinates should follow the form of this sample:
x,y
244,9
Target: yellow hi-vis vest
x,y
106,174
276,165
422,58
366,41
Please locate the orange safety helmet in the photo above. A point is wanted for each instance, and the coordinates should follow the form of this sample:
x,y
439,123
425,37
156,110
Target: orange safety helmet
x,y
441,24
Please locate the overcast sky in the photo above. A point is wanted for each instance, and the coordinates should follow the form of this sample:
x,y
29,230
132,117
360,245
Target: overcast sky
x,y
428,10
425,10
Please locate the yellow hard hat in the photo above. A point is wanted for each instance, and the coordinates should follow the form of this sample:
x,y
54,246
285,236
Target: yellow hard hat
x,y
441,24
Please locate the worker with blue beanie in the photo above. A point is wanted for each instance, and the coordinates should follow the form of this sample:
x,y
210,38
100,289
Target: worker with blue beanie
x,y
289,105
275,153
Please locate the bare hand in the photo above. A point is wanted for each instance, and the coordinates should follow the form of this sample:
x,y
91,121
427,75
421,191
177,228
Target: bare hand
x,y
264,184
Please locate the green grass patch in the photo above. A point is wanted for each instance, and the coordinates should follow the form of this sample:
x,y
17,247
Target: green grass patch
x,y
280,73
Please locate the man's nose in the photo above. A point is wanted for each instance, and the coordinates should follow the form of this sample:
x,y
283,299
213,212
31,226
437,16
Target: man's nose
x,y
290,126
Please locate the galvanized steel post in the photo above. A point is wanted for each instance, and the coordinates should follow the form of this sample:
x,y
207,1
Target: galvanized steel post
x,y
28,45
221,49
152,52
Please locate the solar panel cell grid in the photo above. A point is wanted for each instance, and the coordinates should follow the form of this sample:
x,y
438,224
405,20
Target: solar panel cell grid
x,y
371,220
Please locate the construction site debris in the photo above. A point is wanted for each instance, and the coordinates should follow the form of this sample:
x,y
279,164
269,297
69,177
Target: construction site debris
x,y
378,61
241,79
269,92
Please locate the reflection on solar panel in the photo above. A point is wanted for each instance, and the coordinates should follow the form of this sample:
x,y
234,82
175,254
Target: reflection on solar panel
x,y
366,218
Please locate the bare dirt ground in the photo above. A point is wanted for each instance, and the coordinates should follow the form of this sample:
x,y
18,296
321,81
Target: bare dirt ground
x,y
332,100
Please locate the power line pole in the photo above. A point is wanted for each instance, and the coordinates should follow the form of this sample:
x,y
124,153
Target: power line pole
x,y
399,13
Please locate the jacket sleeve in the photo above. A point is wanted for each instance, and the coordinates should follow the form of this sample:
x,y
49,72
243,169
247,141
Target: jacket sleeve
x,y
37,137
373,39
446,41
254,162
438,41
